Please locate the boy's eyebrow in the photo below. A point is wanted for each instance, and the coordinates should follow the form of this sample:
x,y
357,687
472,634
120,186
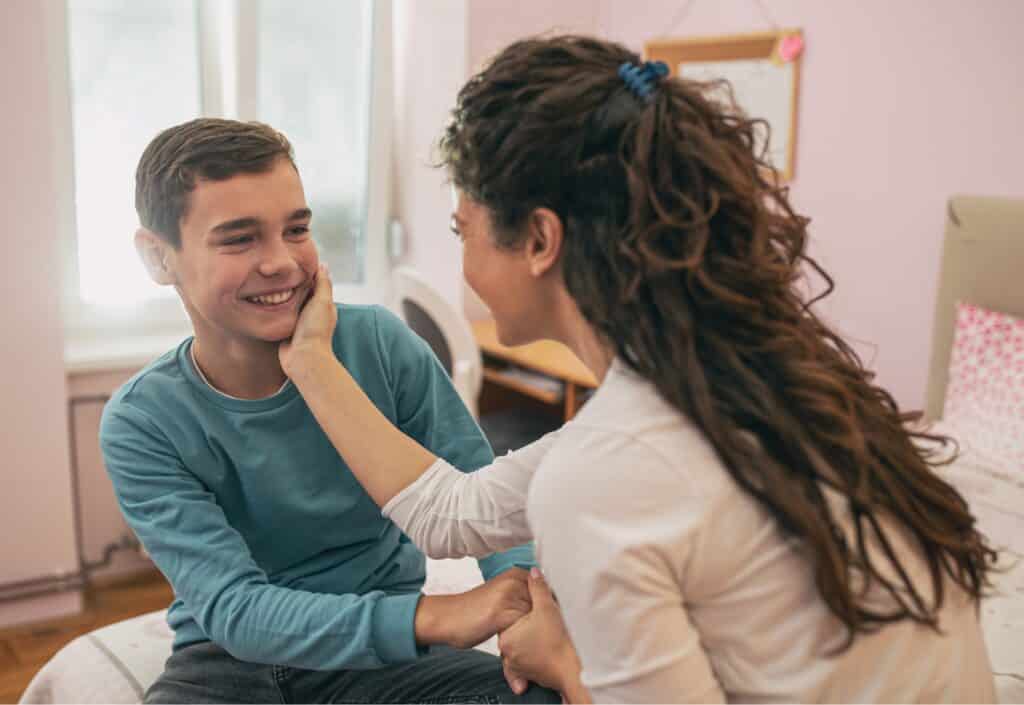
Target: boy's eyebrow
x,y
230,226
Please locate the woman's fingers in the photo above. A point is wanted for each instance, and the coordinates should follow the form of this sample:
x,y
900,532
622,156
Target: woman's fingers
x,y
324,286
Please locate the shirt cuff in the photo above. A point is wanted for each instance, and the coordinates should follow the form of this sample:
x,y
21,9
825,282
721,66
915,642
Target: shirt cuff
x,y
394,628
497,563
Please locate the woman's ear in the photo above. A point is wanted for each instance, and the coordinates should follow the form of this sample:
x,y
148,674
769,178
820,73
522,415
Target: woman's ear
x,y
544,241
155,253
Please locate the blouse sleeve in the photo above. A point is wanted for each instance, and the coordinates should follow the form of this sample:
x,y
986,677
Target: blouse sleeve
x,y
451,514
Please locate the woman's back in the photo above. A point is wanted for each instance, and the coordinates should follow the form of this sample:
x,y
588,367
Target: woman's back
x,y
677,585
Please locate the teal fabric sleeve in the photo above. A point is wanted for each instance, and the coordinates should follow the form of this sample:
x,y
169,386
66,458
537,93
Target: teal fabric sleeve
x,y
213,574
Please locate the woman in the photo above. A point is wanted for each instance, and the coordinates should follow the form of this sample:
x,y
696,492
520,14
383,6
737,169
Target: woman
x,y
738,513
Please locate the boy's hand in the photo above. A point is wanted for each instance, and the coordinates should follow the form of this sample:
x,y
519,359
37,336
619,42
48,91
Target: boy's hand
x,y
464,620
537,648
315,327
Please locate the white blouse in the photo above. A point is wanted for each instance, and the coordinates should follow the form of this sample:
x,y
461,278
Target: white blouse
x,y
675,585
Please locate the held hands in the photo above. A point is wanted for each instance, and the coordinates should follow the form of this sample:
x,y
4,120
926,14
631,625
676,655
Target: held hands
x,y
315,327
466,619
537,648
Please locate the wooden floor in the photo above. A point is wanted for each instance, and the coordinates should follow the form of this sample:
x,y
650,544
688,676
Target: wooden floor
x,y
25,648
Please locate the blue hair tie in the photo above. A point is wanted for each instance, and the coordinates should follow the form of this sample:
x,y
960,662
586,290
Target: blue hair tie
x,y
643,79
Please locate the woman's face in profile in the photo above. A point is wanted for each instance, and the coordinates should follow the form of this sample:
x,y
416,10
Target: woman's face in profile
x,y
499,276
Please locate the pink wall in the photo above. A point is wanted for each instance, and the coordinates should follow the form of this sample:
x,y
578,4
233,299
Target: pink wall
x,y
35,504
430,67
902,104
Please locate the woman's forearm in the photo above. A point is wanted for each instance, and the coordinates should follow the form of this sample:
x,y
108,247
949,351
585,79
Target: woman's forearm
x,y
450,514
445,512
383,459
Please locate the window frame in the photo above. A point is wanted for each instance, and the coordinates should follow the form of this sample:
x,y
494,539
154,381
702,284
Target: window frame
x,y
227,42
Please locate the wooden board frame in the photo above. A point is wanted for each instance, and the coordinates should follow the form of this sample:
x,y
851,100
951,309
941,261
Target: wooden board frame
x,y
734,47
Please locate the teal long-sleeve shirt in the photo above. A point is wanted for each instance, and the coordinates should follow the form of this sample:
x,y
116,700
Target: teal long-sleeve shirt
x,y
274,550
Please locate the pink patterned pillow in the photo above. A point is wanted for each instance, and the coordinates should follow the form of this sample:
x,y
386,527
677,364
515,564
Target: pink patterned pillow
x,y
985,395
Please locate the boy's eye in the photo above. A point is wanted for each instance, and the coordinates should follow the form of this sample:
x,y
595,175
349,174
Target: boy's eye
x,y
240,240
299,230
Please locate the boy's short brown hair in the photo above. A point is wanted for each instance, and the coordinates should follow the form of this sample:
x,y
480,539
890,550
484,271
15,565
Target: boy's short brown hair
x,y
206,148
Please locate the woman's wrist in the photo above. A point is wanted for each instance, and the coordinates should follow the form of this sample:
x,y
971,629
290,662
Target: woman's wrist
x,y
575,693
571,686
307,361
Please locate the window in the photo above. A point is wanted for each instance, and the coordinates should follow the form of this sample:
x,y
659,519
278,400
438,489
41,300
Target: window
x,y
320,98
311,69
116,111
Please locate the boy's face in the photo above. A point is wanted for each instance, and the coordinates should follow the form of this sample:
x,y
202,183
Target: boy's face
x,y
247,259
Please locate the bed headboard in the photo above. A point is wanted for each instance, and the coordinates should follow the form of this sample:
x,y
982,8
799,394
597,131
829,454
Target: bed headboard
x,y
983,264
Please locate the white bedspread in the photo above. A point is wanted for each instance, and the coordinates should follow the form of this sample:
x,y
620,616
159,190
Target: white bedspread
x,y
995,493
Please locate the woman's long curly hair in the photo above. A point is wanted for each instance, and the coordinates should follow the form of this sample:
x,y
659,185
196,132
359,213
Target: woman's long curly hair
x,y
685,255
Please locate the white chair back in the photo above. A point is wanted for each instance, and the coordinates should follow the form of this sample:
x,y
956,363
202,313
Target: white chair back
x,y
444,328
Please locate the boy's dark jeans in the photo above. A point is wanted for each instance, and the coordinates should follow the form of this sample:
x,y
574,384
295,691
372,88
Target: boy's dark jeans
x,y
206,673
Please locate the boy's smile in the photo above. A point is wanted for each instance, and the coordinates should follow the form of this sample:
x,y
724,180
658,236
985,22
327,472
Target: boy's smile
x,y
272,299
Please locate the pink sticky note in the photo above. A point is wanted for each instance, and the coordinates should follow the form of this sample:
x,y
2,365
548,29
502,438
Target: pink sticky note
x,y
791,47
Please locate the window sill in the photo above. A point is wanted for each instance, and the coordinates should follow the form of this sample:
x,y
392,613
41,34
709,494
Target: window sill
x,y
117,353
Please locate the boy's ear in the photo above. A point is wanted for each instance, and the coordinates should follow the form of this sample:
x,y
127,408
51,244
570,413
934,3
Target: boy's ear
x,y
155,253
544,241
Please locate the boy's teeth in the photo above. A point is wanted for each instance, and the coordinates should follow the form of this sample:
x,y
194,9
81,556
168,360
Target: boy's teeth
x,y
272,299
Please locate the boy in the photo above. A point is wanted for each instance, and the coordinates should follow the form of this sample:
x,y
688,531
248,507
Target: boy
x,y
288,582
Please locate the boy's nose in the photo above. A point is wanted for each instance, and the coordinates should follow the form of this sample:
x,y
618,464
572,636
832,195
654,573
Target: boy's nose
x,y
276,259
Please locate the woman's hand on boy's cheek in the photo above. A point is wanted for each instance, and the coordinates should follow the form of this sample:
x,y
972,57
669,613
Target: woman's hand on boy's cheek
x,y
314,329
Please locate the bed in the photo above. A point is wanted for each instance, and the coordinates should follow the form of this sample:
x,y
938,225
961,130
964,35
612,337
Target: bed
x,y
981,269
999,507
116,663
983,258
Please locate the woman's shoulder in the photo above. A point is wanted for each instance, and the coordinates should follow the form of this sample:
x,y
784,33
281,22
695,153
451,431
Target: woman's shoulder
x,y
629,403
627,424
